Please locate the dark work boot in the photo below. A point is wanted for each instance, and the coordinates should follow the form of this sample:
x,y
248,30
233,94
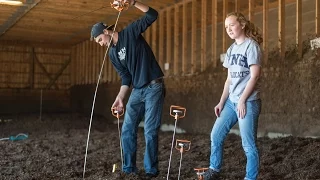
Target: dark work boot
x,y
210,174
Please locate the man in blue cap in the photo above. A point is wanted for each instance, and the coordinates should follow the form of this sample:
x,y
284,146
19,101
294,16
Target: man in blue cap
x,y
136,64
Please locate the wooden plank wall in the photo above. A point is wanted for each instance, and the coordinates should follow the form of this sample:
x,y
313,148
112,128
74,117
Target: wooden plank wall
x,y
87,63
189,36
25,67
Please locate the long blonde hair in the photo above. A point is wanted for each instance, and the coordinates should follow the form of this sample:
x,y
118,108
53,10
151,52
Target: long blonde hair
x,y
250,29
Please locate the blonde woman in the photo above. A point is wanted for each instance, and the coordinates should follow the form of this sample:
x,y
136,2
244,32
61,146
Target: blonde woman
x,y
240,101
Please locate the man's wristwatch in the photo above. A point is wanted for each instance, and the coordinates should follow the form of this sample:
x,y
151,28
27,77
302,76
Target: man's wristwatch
x,y
134,3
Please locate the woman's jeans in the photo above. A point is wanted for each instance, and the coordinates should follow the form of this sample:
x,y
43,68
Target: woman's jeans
x,y
146,103
248,131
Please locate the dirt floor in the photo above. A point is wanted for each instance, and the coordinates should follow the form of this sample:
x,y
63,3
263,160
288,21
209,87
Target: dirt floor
x,y
55,149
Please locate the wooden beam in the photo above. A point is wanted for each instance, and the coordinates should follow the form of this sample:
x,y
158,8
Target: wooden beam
x,y
318,22
65,65
110,67
87,64
161,39
169,41
82,62
214,13
251,10
194,37
105,63
203,35
31,72
184,38
299,27
57,22
16,16
98,63
36,33
147,35
45,71
237,5
318,18
90,61
177,45
94,63
224,34
73,65
63,28
154,36
281,28
265,30
77,66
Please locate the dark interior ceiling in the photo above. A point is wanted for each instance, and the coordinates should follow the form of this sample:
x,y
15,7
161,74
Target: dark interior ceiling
x,y
62,22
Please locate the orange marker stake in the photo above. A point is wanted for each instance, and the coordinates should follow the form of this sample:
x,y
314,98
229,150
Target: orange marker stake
x,y
118,114
177,112
182,146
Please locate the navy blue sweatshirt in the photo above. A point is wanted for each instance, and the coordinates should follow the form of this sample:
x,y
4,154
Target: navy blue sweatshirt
x,y
132,57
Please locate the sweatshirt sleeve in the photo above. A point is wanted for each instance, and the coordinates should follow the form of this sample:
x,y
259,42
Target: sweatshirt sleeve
x,y
140,25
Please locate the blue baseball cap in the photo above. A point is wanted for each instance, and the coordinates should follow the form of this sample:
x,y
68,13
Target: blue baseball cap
x,y
98,28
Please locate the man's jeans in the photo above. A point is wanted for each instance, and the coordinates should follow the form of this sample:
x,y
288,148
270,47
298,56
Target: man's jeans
x,y
146,103
248,131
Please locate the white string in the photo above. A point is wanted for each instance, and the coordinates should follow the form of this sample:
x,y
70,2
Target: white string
x,y
174,132
95,95
120,142
180,165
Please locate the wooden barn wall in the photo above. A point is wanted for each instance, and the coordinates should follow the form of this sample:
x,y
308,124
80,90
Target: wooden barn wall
x,y
188,51
34,68
87,58
30,75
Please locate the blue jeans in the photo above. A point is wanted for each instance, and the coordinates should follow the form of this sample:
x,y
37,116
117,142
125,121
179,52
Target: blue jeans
x,y
146,103
248,131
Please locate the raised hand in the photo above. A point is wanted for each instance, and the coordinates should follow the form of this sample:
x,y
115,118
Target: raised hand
x,y
120,5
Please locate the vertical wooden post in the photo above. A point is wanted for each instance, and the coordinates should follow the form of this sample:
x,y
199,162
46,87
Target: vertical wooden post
x,y
110,68
184,38
281,28
105,66
176,59
299,27
97,63
224,34
251,10
76,69
73,65
237,5
318,22
194,37
154,38
203,35
86,60
318,17
83,65
265,30
214,32
79,68
161,39
169,41
32,72
147,35
92,59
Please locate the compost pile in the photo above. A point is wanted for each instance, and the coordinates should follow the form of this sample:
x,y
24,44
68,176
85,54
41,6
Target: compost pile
x,y
55,149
